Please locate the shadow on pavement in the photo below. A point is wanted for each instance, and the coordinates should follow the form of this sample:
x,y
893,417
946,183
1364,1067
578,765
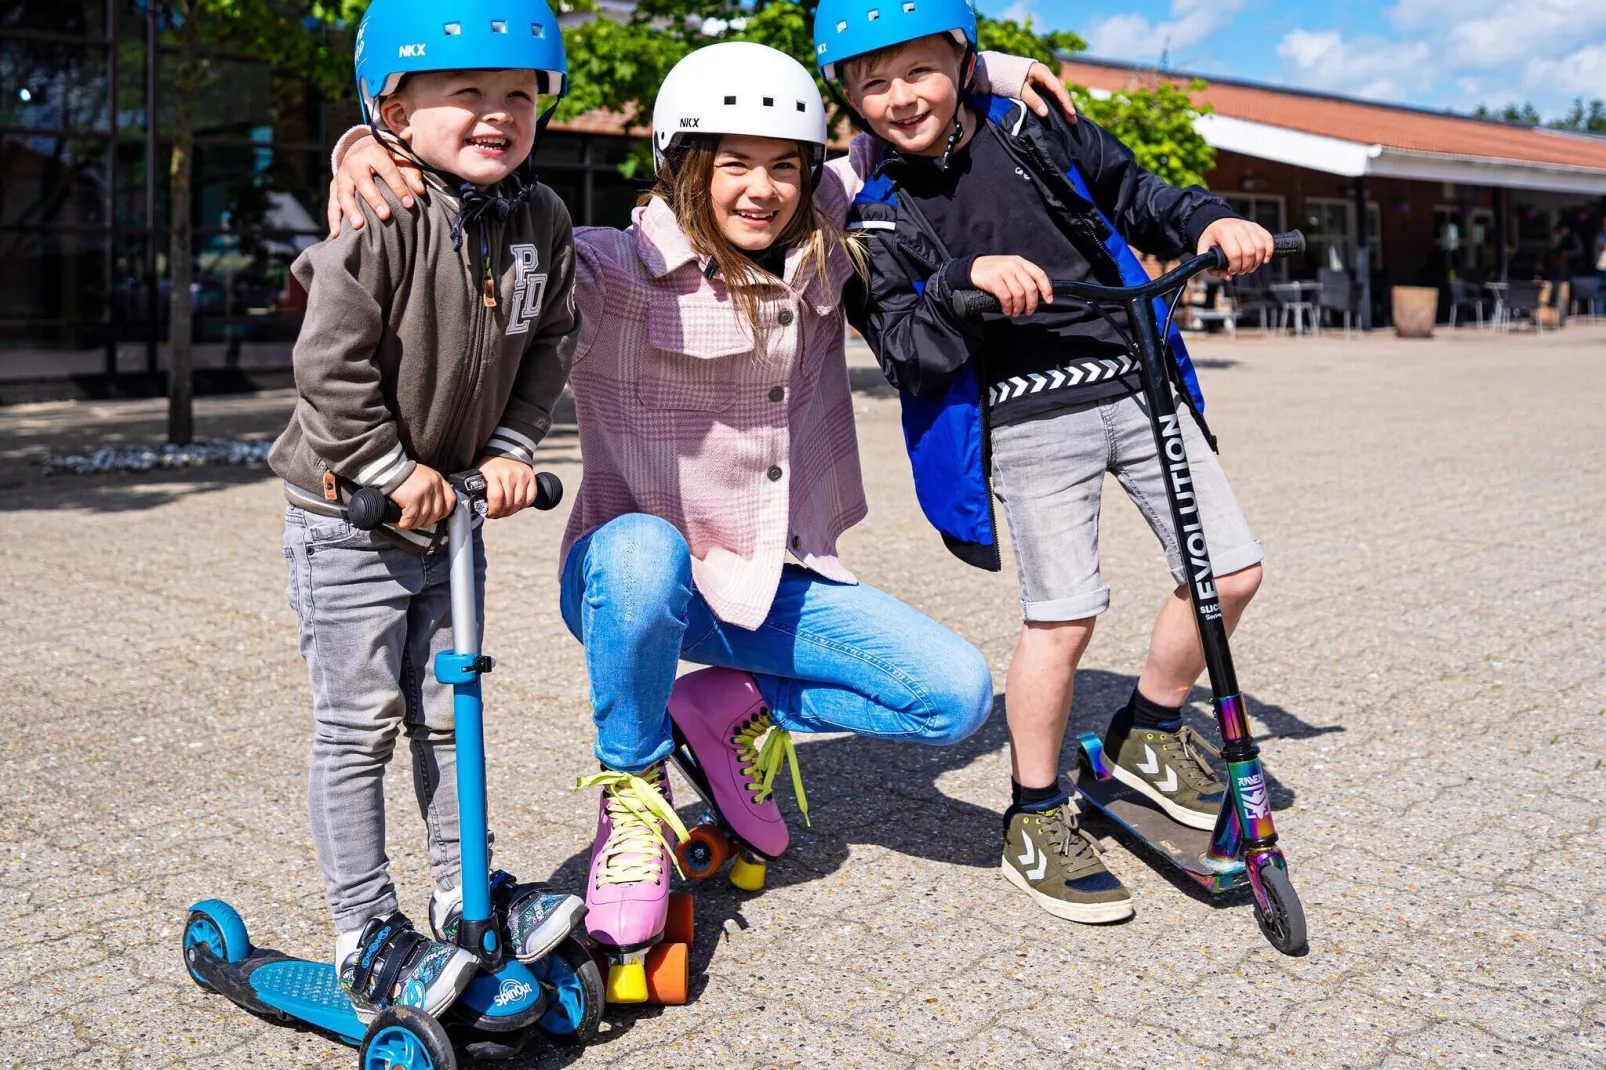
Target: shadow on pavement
x,y
876,793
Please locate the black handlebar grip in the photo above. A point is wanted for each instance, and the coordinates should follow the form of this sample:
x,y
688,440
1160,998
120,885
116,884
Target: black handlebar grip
x,y
548,490
1288,244
970,304
369,508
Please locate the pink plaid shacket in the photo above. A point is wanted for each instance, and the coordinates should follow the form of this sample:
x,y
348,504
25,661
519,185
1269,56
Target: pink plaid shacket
x,y
747,455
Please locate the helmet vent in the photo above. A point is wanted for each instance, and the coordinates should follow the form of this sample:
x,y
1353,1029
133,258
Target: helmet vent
x,y
909,8
498,26
730,100
841,26
537,30
453,29
802,106
769,102
875,13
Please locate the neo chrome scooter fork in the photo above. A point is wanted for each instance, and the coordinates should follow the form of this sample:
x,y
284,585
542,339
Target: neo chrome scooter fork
x,y
1244,834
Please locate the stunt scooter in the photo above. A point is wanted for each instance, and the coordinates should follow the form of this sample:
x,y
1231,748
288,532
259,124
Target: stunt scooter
x,y
1242,849
560,996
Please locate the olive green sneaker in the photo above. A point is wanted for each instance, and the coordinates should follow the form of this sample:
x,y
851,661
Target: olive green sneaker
x,y
1169,768
1052,859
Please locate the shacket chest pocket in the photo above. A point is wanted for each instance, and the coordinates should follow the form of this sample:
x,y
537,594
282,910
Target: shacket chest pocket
x,y
698,357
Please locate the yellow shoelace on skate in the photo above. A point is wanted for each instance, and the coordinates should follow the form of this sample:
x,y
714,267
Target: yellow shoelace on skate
x,y
762,761
635,808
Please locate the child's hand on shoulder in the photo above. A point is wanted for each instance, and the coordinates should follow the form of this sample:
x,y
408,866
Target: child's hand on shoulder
x,y
1018,283
509,486
1247,245
425,498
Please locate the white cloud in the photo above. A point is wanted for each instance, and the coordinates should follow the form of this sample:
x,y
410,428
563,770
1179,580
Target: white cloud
x,y
1020,11
1581,73
1134,37
1365,66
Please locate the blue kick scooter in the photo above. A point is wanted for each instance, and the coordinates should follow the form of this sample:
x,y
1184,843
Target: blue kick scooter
x,y
560,996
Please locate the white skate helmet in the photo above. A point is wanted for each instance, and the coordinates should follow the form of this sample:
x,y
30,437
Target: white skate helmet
x,y
738,87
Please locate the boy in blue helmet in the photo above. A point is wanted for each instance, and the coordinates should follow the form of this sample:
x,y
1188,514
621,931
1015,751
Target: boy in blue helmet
x,y
432,345
1034,406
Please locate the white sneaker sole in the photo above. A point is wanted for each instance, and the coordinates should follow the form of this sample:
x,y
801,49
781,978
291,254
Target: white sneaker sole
x,y
1180,814
1086,913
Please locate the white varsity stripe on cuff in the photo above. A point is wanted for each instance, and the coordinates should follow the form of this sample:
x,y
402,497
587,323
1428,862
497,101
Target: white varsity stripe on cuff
x,y
522,439
384,469
509,448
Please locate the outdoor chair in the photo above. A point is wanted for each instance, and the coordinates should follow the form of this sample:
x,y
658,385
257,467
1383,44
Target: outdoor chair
x,y
1337,294
1293,312
1586,291
1249,295
1464,293
1522,299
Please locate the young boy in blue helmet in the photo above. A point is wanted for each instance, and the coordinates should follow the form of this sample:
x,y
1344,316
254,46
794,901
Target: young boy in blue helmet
x,y
432,345
1035,405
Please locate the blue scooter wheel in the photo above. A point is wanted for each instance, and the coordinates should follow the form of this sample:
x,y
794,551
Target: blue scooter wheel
x,y
576,1009
214,925
405,1038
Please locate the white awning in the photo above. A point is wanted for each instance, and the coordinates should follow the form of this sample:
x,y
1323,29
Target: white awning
x,y
1352,159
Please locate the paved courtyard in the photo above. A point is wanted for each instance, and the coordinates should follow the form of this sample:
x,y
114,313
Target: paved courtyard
x,y
1425,663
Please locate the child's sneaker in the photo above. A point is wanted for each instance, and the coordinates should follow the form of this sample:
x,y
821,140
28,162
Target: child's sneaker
x,y
737,750
1049,856
391,962
1168,768
627,893
533,919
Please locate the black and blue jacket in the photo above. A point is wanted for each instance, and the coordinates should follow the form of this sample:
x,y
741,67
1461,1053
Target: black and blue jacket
x,y
1105,199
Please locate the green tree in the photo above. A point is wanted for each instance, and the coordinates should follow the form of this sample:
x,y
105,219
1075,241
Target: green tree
x,y
287,33
1518,114
619,66
1589,118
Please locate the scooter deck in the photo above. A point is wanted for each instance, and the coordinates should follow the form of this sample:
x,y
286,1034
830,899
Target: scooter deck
x,y
274,984
1182,846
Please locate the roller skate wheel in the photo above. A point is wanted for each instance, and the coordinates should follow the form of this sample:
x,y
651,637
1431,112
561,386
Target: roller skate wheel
x,y
748,874
668,973
702,852
627,982
679,926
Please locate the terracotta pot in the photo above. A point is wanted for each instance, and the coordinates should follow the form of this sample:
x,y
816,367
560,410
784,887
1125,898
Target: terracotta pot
x,y
1415,309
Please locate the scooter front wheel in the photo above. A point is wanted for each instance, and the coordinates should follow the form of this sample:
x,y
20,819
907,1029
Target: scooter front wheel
x,y
214,925
1284,924
405,1038
577,1010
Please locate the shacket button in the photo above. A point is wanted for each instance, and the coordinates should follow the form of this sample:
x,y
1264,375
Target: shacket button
x,y
778,394
785,317
797,542
774,473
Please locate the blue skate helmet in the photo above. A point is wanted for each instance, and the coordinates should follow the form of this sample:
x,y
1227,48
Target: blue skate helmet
x,y
847,28
401,37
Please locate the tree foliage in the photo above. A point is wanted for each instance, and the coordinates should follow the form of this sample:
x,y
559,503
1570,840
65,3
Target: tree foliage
x,y
619,66
1585,117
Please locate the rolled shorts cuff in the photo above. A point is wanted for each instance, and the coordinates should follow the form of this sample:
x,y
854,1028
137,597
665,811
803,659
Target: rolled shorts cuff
x,y
1226,562
1060,610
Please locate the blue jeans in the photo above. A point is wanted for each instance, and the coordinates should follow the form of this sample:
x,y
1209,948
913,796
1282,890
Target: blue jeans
x,y
830,657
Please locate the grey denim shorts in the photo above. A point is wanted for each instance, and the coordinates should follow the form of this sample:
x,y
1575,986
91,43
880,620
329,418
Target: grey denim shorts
x,y
1049,473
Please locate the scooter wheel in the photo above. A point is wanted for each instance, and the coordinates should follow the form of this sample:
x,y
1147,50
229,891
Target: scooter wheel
x,y
405,1038
1284,926
576,1010
215,926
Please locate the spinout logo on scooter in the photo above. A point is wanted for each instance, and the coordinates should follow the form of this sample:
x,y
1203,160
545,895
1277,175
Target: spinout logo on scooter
x,y
512,991
1176,455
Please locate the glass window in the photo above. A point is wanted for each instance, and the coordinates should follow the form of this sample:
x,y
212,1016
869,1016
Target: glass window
x,y
235,99
49,180
1329,226
52,284
48,85
85,18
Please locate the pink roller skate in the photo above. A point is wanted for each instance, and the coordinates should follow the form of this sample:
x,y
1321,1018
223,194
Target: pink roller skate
x,y
643,930
728,746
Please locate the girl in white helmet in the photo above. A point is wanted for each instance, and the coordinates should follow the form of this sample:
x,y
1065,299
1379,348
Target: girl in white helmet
x,y
720,466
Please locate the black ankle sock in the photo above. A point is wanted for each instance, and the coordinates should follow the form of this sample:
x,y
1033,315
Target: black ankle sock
x,y
1023,798
1147,714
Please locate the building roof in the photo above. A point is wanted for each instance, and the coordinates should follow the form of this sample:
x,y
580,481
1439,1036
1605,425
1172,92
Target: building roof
x,y
1341,135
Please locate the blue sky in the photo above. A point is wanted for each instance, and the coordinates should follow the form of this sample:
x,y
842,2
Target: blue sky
x,y
1434,53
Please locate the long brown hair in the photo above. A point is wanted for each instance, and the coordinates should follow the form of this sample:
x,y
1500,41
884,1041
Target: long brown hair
x,y
684,182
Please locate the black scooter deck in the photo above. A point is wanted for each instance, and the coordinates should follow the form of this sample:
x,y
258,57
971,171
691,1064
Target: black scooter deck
x,y
1182,846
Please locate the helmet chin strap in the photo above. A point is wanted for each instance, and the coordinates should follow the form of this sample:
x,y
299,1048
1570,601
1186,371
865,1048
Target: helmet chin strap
x,y
953,140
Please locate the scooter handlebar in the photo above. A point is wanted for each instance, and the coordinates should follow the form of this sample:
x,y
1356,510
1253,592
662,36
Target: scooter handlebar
x,y
369,508
972,304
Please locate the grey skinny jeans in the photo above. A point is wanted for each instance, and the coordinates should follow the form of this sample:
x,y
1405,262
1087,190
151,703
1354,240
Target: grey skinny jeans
x,y
371,617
